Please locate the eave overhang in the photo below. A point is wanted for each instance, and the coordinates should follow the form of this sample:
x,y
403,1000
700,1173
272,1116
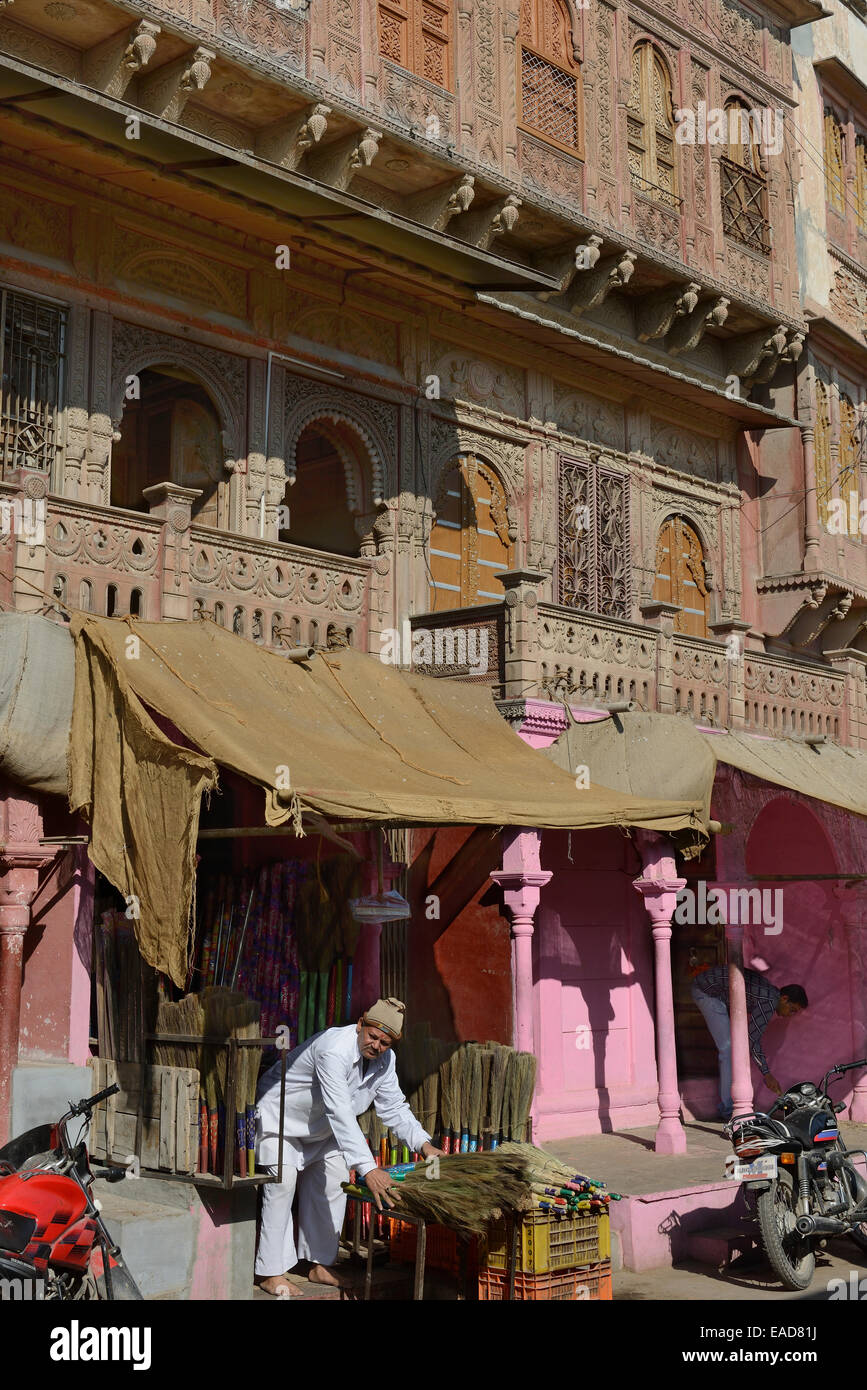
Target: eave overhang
x,y
302,201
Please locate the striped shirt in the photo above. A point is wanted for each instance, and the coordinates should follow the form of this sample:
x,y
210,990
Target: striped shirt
x,y
762,1001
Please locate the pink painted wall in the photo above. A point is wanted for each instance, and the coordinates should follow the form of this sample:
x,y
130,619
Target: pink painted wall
x,y
594,985
55,994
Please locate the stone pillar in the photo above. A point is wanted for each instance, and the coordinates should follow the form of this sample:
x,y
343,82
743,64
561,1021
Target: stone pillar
x,y
21,858
661,616
173,506
659,887
522,879
742,1085
520,658
851,909
725,630
812,558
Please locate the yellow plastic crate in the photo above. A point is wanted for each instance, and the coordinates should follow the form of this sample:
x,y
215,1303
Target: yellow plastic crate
x,y
549,1242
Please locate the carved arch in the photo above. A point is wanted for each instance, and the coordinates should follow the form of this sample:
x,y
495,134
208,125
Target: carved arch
x,y
505,459
138,357
323,413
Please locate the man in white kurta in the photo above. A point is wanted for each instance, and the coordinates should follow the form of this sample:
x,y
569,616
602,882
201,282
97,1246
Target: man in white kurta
x,y
330,1079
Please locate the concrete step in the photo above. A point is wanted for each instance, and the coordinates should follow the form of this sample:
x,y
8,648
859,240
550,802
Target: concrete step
x,y
720,1246
157,1236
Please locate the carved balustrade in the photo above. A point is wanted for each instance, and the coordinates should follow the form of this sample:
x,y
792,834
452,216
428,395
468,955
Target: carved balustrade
x,y
279,595
103,560
785,697
587,658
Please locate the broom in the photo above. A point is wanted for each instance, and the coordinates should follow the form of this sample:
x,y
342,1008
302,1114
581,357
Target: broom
x,y
525,1088
474,1106
464,1081
499,1062
245,1024
487,1058
471,1191
510,1091
446,1106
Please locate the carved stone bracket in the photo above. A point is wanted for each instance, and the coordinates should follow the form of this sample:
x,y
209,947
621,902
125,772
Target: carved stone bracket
x,y
584,256
591,287
287,141
655,313
166,92
435,207
687,331
338,164
111,65
755,357
482,228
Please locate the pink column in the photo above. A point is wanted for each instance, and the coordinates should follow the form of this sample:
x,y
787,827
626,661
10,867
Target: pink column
x,y
851,909
742,1085
659,887
21,858
522,880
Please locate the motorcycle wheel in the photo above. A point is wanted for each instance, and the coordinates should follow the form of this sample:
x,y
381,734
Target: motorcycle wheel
x,y
859,1235
790,1256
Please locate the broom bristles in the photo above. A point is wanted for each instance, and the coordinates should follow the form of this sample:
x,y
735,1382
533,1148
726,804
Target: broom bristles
x,y
471,1191
474,1103
526,1086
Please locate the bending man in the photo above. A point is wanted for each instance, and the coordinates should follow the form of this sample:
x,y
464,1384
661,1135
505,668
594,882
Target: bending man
x,y
710,990
330,1079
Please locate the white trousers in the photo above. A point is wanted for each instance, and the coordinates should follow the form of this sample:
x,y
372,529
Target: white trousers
x,y
320,1168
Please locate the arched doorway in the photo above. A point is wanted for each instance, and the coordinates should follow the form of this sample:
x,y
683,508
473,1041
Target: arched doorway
x,y
469,541
170,432
681,576
318,505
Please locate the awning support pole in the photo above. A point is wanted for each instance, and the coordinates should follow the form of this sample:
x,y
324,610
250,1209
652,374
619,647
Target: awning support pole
x,y
522,879
742,1084
659,887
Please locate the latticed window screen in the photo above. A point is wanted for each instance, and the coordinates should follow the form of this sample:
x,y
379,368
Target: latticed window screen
x,y
549,74
31,380
650,128
469,542
835,161
822,450
743,185
417,35
861,182
680,576
594,538
549,99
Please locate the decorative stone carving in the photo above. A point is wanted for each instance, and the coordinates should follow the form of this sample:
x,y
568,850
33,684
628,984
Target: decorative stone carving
x,y
111,65
258,26
656,224
687,332
449,438
747,274
288,140
656,312
590,288
482,228
429,111
564,265
464,376
435,207
848,296
756,356
339,162
373,423
166,92
588,417
551,172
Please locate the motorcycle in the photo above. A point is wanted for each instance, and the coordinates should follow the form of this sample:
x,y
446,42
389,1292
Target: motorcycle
x,y
50,1226
806,1187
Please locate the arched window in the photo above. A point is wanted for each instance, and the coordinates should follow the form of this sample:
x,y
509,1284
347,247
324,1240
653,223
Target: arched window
x,y
549,75
650,127
680,576
835,161
743,181
417,35
469,542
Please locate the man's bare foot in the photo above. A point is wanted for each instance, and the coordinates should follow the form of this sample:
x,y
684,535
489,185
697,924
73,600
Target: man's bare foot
x,y
277,1285
323,1274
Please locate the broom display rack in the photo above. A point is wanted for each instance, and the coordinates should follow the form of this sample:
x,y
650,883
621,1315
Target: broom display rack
x,y
228,1179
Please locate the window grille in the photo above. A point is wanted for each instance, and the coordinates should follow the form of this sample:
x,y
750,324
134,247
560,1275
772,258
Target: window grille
x,y
594,538
32,335
743,206
549,99
650,129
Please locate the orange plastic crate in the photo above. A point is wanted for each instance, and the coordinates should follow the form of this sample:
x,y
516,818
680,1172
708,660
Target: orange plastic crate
x,y
442,1247
564,1286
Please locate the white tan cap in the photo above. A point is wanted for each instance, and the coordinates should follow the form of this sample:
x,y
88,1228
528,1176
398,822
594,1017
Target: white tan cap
x,y
387,1014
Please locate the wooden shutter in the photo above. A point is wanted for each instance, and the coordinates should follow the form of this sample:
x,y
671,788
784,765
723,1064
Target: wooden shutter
x,y
822,451
861,182
416,34
835,162
680,576
650,127
469,542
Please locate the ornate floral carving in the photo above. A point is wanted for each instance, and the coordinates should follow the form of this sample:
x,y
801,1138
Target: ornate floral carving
x,y
747,273
684,450
258,25
604,80
848,296
373,422
413,101
657,225
450,437
588,417
34,223
90,538
486,59
551,172
473,378
740,30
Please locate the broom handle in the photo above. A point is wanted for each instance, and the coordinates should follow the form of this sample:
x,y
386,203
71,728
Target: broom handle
x,y
243,934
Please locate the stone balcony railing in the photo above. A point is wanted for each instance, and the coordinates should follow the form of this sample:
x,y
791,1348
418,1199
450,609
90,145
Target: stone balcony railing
x,y
113,562
549,652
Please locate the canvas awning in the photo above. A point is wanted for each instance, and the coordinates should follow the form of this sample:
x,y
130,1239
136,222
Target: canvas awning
x,y
667,755
341,734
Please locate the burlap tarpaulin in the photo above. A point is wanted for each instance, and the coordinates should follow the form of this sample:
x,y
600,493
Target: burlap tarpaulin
x,y
341,734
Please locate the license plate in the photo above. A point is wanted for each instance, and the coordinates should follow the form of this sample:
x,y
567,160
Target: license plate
x,y
764,1167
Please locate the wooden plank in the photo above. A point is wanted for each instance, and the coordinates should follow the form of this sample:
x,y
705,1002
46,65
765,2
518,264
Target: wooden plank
x,y
183,1138
129,1078
168,1118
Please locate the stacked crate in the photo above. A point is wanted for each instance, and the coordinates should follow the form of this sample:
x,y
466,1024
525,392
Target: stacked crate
x,y
564,1258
